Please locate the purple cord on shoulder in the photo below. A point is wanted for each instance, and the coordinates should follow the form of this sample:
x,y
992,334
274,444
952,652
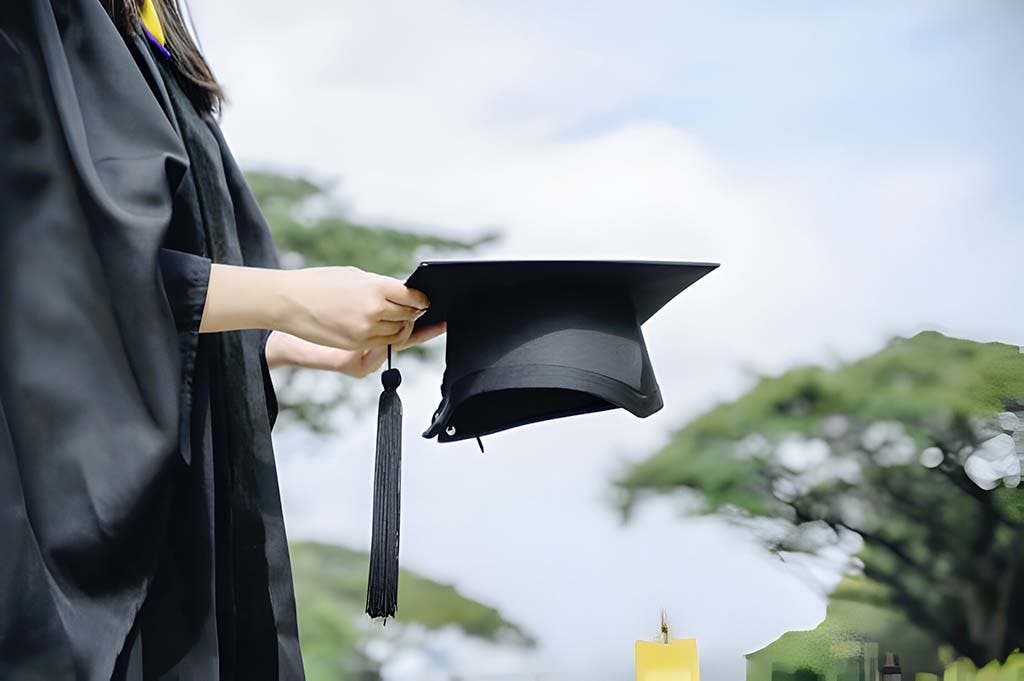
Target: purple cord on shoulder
x,y
156,43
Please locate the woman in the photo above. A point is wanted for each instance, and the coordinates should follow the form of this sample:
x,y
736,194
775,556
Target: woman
x,y
140,516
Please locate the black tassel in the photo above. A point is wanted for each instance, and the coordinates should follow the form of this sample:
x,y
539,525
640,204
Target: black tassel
x,y
382,591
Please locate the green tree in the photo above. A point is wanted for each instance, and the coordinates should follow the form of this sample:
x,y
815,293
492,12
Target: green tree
x,y
876,451
330,594
854,618
310,230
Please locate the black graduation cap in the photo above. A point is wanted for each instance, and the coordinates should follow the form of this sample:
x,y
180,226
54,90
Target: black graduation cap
x,y
527,341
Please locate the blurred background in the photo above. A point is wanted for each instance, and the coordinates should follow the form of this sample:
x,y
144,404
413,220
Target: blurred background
x,y
840,452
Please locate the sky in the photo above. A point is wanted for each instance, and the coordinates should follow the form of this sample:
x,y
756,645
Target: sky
x,y
855,167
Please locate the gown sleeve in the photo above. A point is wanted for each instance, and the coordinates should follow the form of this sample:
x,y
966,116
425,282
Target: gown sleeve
x,y
90,370
185,277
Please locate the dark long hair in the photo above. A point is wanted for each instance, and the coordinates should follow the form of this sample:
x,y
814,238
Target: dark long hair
x,y
193,72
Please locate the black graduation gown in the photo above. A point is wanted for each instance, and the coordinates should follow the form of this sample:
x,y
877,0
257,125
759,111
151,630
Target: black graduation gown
x,y
141,534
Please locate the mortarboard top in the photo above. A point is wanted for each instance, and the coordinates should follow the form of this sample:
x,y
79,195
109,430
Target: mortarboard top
x,y
527,341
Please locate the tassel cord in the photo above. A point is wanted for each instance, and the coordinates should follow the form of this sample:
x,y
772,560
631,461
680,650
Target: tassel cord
x,y
382,589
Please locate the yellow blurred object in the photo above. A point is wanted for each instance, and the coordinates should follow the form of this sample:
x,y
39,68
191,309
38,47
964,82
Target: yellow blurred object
x,y
152,21
667,660
673,661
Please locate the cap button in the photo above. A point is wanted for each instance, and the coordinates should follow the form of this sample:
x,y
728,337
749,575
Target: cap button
x,y
450,430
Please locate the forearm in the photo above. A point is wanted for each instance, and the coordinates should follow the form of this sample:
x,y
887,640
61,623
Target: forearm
x,y
340,318
243,298
286,349
340,307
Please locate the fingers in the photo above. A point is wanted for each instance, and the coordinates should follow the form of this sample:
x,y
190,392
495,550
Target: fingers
x,y
396,338
379,329
408,338
393,312
422,335
397,292
371,361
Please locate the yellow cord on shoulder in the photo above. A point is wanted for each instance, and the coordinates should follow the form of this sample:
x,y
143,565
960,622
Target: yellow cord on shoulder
x,y
152,20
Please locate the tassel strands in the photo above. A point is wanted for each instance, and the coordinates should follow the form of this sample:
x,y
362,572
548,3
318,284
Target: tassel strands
x,y
382,590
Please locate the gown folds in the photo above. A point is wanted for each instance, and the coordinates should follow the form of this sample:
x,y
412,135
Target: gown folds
x,y
141,534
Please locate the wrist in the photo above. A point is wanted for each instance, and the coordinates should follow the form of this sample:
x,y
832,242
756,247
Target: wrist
x,y
273,352
280,305
283,349
247,298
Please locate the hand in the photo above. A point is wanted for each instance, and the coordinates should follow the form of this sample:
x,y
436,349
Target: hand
x,y
285,349
347,308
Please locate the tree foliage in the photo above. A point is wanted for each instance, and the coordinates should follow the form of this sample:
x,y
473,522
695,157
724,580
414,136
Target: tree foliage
x,y
311,231
822,455
853,619
330,593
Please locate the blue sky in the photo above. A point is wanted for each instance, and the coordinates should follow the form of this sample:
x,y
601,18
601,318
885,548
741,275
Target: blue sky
x,y
830,78
856,167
